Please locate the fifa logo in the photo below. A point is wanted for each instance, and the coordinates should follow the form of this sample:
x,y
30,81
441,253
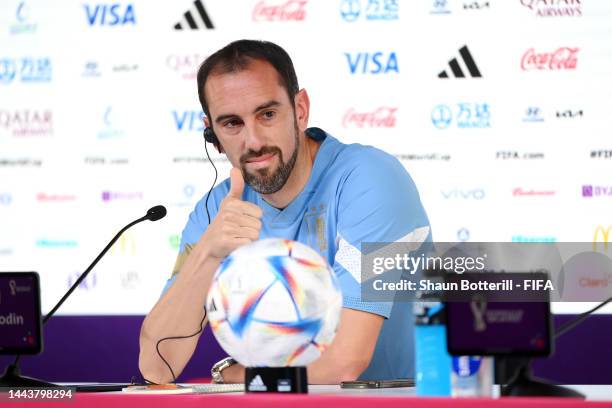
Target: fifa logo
x,y
479,309
605,234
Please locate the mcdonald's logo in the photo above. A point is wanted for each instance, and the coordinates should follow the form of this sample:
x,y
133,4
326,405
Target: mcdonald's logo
x,y
605,234
125,245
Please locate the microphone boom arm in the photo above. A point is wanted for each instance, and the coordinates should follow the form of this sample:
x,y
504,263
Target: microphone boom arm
x,y
90,267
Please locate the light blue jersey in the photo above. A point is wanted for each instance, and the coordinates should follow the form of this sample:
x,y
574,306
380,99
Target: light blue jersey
x,y
355,194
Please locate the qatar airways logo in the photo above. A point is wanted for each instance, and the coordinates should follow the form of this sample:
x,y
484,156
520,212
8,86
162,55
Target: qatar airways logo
x,y
381,117
291,10
554,8
563,58
27,122
185,65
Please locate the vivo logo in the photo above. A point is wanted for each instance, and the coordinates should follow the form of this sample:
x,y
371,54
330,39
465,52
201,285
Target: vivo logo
x,y
456,193
110,14
189,120
372,63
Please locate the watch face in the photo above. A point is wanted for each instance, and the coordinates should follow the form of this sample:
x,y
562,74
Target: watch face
x,y
219,367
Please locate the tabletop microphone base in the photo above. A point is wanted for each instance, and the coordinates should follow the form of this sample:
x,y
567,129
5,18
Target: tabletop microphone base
x,y
290,380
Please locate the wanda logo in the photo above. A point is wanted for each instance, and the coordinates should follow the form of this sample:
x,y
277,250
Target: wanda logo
x,y
562,58
381,117
292,10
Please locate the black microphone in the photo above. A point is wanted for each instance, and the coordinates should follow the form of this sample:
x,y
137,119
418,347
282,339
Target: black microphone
x,y
12,375
154,214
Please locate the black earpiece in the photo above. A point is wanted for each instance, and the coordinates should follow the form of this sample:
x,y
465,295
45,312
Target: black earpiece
x,y
210,137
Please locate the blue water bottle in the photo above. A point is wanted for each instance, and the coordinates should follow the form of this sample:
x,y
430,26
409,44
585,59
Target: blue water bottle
x,y
433,363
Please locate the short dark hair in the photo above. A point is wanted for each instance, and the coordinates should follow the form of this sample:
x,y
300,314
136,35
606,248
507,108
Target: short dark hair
x,y
236,57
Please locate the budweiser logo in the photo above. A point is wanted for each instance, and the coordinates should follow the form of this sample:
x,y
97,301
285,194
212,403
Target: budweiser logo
x,y
381,117
562,58
55,197
292,10
519,192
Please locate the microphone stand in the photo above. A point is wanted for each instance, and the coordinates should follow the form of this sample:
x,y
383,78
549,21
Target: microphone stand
x,y
12,376
524,384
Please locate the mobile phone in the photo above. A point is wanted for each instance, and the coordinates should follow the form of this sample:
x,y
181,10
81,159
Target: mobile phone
x,y
405,382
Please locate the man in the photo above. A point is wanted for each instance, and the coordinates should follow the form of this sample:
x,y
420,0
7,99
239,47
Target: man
x,y
288,182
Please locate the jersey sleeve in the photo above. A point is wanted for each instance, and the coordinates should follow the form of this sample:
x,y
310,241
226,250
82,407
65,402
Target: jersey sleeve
x,y
378,202
196,226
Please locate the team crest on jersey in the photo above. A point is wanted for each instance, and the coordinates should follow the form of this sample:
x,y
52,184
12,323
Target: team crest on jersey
x,y
317,227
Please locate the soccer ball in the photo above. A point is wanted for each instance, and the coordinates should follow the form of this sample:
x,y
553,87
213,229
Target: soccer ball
x,y
274,303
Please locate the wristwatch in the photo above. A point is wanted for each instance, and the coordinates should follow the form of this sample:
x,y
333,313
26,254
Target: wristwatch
x,y
216,370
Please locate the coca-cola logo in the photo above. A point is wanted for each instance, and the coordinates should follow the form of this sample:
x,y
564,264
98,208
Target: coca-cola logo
x,y
291,10
381,117
561,58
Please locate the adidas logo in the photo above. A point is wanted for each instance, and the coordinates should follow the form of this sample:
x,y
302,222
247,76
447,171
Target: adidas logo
x,y
456,69
190,20
257,384
212,307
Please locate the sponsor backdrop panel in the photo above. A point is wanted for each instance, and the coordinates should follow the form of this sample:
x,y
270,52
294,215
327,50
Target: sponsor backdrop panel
x,y
500,110
505,131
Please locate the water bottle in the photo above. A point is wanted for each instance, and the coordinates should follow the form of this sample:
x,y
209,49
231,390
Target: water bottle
x,y
433,363
472,376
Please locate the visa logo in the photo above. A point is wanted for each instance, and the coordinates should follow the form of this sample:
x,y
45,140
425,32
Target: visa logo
x,y
372,63
110,14
189,120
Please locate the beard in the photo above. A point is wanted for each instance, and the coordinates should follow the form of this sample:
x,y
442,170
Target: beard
x,y
263,180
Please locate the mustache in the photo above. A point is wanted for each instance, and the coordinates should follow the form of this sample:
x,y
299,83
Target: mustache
x,y
251,154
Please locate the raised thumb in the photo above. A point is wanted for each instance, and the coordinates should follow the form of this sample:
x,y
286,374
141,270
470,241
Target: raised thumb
x,y
236,183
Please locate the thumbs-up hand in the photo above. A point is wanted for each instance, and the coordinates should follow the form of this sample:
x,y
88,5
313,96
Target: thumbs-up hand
x,y
237,223
236,183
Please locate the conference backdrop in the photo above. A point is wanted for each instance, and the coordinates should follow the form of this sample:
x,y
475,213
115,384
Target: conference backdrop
x,y
500,110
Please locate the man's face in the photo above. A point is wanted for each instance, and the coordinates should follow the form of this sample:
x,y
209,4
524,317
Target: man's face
x,y
255,122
